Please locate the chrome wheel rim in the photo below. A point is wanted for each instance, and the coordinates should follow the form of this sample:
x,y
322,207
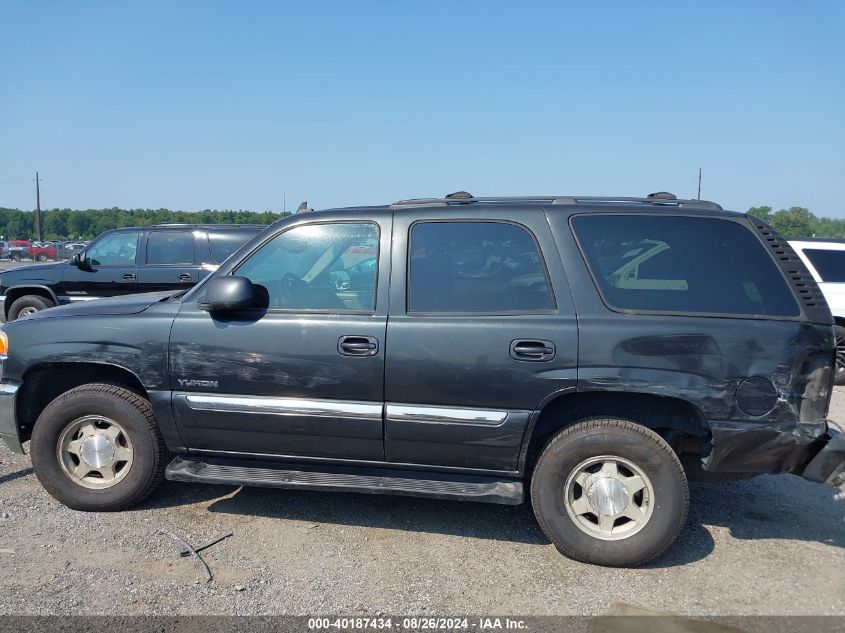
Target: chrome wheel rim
x,y
27,311
95,452
608,497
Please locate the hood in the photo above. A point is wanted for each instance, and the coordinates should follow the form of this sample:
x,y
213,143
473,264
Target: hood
x,y
33,272
124,304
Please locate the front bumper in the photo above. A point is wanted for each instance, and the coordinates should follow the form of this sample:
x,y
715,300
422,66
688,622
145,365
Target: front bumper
x,y
8,422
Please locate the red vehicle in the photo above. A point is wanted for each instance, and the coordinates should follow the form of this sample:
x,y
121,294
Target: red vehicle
x,y
23,249
43,253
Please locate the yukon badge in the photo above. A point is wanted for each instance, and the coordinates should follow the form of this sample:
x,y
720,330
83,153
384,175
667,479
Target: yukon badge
x,y
187,383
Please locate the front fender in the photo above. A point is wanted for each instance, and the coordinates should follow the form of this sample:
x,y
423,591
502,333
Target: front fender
x,y
20,290
135,342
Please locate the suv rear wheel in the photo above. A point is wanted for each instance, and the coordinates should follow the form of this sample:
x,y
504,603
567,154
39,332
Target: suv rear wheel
x,y
28,304
610,492
97,447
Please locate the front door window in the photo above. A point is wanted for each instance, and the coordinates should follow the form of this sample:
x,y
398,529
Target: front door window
x,y
117,249
318,267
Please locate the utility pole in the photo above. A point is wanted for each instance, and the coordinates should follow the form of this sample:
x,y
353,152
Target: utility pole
x,y
37,208
699,183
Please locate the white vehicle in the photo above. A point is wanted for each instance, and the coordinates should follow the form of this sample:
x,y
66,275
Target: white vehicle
x,y
825,259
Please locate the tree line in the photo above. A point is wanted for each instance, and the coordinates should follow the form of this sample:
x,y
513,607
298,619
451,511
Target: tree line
x,y
85,224
800,222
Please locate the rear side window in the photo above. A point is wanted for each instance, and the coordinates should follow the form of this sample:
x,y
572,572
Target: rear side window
x,y
682,264
224,242
828,263
476,267
170,247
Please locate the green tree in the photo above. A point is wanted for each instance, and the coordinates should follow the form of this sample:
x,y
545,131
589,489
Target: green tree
x,y
763,213
794,222
19,226
55,224
78,224
88,223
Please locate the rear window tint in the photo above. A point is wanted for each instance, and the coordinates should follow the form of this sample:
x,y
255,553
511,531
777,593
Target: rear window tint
x,y
224,242
476,267
170,247
828,263
682,264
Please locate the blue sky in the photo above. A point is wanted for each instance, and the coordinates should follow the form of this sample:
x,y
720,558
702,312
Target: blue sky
x,y
192,105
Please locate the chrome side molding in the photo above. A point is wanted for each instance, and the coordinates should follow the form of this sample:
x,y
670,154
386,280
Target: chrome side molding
x,y
343,409
285,406
443,415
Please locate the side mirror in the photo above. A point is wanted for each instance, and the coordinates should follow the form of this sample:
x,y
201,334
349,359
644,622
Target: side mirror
x,y
229,294
76,260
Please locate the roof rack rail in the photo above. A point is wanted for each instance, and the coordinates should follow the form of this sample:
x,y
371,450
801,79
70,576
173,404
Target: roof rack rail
x,y
202,224
651,199
464,197
662,198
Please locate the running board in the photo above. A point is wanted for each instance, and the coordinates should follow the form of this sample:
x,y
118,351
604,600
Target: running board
x,y
367,480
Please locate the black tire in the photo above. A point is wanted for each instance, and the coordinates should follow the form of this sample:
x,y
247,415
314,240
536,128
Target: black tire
x,y
42,257
622,439
839,378
28,304
136,417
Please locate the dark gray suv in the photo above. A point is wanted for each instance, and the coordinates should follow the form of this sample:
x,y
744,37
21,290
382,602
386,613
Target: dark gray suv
x,y
595,351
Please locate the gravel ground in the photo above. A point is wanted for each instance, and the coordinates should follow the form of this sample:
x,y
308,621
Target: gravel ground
x,y
768,546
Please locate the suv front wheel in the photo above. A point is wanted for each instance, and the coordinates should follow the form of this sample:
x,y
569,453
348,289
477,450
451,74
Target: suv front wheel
x,y
28,304
97,447
610,492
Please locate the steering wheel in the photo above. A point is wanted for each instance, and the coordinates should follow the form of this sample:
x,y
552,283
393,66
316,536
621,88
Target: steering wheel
x,y
291,286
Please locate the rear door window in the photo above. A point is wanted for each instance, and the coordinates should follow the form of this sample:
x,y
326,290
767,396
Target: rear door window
x,y
476,267
170,248
828,263
224,242
682,264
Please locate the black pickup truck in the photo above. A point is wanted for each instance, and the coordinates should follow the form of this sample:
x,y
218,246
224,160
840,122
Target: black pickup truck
x,y
124,261
595,351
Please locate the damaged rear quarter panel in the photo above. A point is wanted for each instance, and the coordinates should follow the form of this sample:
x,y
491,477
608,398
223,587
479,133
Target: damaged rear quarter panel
x,y
702,360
